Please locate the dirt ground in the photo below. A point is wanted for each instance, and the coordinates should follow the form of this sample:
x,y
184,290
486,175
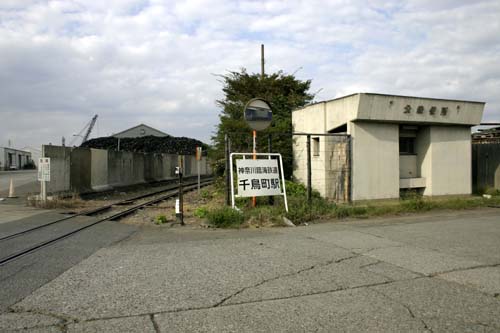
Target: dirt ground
x,y
193,203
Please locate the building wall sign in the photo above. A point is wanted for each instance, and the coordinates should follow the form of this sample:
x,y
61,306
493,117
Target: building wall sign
x,y
421,110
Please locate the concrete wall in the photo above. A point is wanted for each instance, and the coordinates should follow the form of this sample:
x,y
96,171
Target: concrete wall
x,y
387,108
375,173
341,111
59,168
310,121
408,166
86,170
446,164
99,170
80,170
485,166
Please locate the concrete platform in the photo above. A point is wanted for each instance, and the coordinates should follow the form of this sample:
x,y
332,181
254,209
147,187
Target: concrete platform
x,y
11,212
380,275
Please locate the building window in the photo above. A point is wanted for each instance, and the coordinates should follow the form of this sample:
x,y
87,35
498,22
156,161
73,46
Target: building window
x,y
406,146
315,147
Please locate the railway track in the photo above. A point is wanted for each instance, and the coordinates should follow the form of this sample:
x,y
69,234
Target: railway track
x,y
16,247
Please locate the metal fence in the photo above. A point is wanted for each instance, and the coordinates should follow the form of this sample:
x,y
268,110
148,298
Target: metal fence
x,y
320,161
485,166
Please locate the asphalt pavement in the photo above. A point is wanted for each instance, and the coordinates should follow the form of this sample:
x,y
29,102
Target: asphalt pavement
x,y
438,272
24,181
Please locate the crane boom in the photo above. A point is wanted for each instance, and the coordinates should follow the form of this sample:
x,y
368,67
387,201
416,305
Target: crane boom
x,y
89,130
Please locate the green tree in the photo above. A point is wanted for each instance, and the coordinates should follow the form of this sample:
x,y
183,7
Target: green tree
x,y
282,91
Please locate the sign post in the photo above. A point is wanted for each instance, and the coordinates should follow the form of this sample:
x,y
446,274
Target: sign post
x,y
198,161
43,175
258,115
179,203
259,177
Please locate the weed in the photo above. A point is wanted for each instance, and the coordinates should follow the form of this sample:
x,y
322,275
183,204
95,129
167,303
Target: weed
x,y
492,191
225,217
201,212
73,202
160,219
205,194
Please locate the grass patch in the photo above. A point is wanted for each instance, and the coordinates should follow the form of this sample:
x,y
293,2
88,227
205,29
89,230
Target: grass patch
x,y
160,219
300,211
57,203
225,217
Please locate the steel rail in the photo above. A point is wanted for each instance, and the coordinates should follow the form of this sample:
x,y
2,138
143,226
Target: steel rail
x,y
172,192
91,212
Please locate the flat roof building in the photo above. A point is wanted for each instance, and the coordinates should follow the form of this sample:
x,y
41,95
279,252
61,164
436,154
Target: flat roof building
x,y
13,159
394,143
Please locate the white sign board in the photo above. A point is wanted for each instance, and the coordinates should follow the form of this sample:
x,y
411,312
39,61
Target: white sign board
x,y
44,169
258,178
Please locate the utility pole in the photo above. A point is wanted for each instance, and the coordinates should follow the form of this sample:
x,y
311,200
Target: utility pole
x,y
262,61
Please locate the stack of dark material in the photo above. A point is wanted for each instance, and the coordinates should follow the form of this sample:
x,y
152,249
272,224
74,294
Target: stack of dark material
x,y
148,144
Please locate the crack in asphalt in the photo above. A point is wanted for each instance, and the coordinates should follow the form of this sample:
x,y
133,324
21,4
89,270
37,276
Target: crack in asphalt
x,y
62,324
225,299
407,308
64,319
155,324
464,269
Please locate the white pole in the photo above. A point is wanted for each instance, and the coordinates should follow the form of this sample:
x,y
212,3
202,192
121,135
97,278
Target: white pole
x,y
232,178
44,191
283,180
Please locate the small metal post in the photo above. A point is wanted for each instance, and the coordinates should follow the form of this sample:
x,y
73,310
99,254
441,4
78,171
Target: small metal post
x,y
228,157
309,176
270,150
180,215
198,161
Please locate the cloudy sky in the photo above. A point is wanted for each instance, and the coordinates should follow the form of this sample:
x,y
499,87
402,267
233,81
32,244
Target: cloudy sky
x,y
153,61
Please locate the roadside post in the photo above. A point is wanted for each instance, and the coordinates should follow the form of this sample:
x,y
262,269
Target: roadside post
x,y
258,115
179,203
43,176
198,162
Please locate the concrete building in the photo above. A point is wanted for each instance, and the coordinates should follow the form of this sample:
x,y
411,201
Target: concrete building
x,y
13,159
138,131
396,143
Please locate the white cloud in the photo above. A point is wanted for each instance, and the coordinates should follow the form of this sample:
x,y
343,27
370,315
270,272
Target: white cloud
x,y
152,61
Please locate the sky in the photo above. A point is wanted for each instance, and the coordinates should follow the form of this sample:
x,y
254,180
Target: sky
x,y
157,62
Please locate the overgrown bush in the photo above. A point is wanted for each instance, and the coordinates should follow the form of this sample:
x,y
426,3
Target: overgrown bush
x,y
225,217
300,211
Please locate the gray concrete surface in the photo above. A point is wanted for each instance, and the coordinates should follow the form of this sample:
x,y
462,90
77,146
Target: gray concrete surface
x,y
433,273
21,277
24,181
14,209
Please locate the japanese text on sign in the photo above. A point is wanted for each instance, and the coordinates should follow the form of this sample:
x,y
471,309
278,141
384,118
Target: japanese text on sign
x,y
44,169
258,178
